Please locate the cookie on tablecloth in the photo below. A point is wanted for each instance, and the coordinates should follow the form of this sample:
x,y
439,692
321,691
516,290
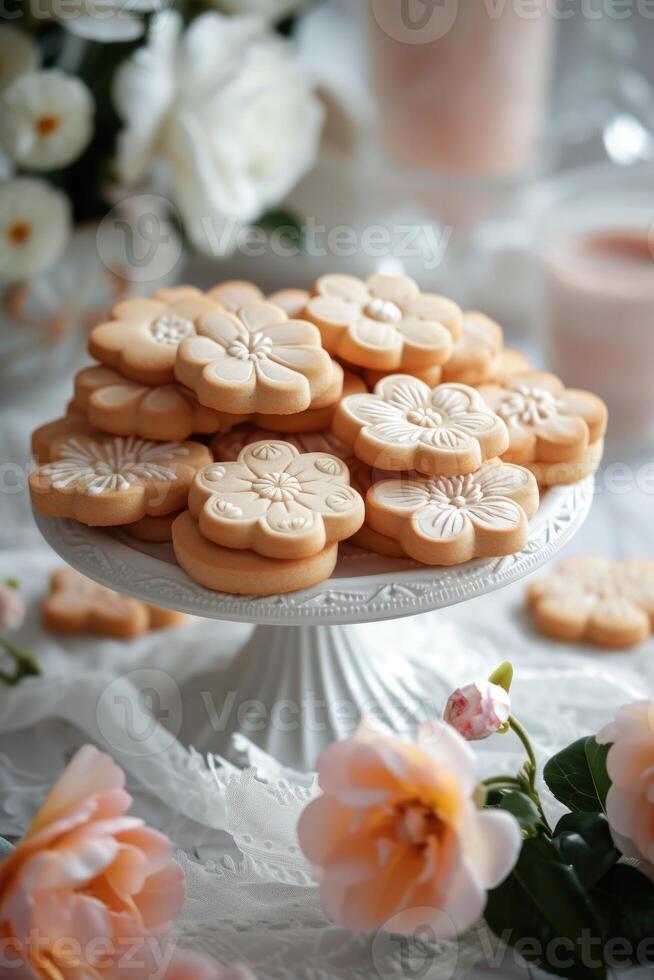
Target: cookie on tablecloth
x,y
121,407
405,425
606,602
548,423
108,480
255,361
384,323
78,605
142,338
444,520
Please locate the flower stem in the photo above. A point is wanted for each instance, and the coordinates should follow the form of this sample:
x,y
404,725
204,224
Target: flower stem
x,y
26,664
530,768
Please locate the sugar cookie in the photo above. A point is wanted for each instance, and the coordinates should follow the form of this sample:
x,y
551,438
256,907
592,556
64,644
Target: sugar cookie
x,y
405,425
235,293
384,323
126,408
562,474
256,361
110,480
78,605
244,572
507,363
321,412
547,423
431,375
441,520
292,301
153,530
476,350
74,423
608,603
142,338
276,501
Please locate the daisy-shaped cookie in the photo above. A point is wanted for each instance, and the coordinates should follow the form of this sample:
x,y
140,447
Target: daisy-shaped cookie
x,y
476,351
142,338
442,520
384,323
608,603
126,408
546,421
405,425
235,293
276,501
111,480
255,361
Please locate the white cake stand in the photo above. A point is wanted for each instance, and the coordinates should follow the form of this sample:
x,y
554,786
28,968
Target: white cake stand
x,y
306,676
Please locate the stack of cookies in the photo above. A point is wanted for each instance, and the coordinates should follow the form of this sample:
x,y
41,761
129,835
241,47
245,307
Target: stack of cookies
x,y
310,402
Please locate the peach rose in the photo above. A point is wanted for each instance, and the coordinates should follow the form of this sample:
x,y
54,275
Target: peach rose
x,y
478,710
87,882
398,834
193,966
630,765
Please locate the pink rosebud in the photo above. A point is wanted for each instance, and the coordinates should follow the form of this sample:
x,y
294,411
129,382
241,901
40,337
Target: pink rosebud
x,y
478,710
12,609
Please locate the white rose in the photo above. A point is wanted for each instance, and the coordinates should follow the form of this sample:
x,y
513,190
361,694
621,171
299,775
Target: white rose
x,y
35,225
18,54
228,112
102,20
48,120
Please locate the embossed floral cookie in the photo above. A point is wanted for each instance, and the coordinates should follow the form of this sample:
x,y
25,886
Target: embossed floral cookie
x,y
276,501
405,425
110,480
46,435
126,408
142,338
320,413
78,605
235,293
606,602
547,422
476,350
384,323
441,520
255,361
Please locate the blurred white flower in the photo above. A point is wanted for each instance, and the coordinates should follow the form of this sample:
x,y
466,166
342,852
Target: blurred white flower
x,y
271,10
48,120
103,20
35,225
18,54
229,113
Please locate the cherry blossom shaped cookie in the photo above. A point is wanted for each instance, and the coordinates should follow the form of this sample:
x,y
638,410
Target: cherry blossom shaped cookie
x,y
384,323
235,293
609,603
405,425
110,480
46,435
255,361
142,338
78,605
442,520
475,352
276,501
114,404
546,422
321,411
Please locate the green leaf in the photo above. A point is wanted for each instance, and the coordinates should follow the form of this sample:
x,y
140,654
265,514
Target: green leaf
x,y
543,910
596,758
625,903
577,781
519,805
584,841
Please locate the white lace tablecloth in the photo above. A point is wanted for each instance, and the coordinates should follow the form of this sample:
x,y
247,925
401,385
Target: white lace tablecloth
x,y
251,896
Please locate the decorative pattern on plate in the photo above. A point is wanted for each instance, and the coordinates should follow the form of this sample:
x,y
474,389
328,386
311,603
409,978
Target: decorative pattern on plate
x,y
546,422
405,425
607,602
256,361
121,407
114,480
476,351
142,338
448,520
384,323
276,501
364,588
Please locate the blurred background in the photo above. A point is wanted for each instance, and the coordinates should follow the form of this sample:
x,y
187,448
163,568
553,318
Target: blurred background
x,y
498,151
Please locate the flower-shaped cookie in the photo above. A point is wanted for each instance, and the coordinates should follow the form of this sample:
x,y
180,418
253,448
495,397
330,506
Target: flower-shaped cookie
x,y
405,425
126,408
609,603
384,323
276,501
443,520
476,350
235,293
546,422
142,338
256,361
111,480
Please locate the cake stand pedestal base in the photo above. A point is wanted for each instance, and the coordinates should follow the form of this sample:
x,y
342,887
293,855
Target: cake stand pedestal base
x,y
293,690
